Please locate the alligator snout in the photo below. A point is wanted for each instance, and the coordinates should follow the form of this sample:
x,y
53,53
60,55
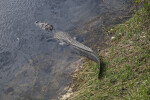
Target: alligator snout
x,y
36,22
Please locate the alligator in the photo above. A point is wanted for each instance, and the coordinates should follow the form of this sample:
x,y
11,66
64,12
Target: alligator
x,y
65,39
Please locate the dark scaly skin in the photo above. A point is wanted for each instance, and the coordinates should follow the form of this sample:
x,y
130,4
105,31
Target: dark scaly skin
x,y
65,38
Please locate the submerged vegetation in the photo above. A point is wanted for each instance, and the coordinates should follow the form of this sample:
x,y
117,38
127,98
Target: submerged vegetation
x,y
125,65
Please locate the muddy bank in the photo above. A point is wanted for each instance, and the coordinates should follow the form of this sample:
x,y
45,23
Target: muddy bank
x,y
125,64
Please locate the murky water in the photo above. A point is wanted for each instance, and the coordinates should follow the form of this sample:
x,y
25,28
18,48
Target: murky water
x,y
32,68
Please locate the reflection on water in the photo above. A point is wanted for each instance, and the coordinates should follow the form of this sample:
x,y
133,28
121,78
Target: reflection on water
x,y
31,67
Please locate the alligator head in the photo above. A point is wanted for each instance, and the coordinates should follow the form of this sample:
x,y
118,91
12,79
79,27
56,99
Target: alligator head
x,y
44,26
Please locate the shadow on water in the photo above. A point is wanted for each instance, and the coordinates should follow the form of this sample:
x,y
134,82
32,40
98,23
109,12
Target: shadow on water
x,y
32,68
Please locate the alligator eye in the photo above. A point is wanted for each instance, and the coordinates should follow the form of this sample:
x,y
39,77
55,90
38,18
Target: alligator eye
x,y
51,27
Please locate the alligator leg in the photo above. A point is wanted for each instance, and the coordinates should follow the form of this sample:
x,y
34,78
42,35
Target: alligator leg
x,y
50,39
63,43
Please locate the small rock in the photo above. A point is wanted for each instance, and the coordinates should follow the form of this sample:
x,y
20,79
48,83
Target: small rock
x,y
112,38
143,36
120,33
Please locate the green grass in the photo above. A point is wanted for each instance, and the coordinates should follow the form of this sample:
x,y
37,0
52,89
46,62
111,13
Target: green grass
x,y
125,65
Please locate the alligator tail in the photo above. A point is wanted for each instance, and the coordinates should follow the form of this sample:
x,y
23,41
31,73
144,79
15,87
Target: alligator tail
x,y
91,55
